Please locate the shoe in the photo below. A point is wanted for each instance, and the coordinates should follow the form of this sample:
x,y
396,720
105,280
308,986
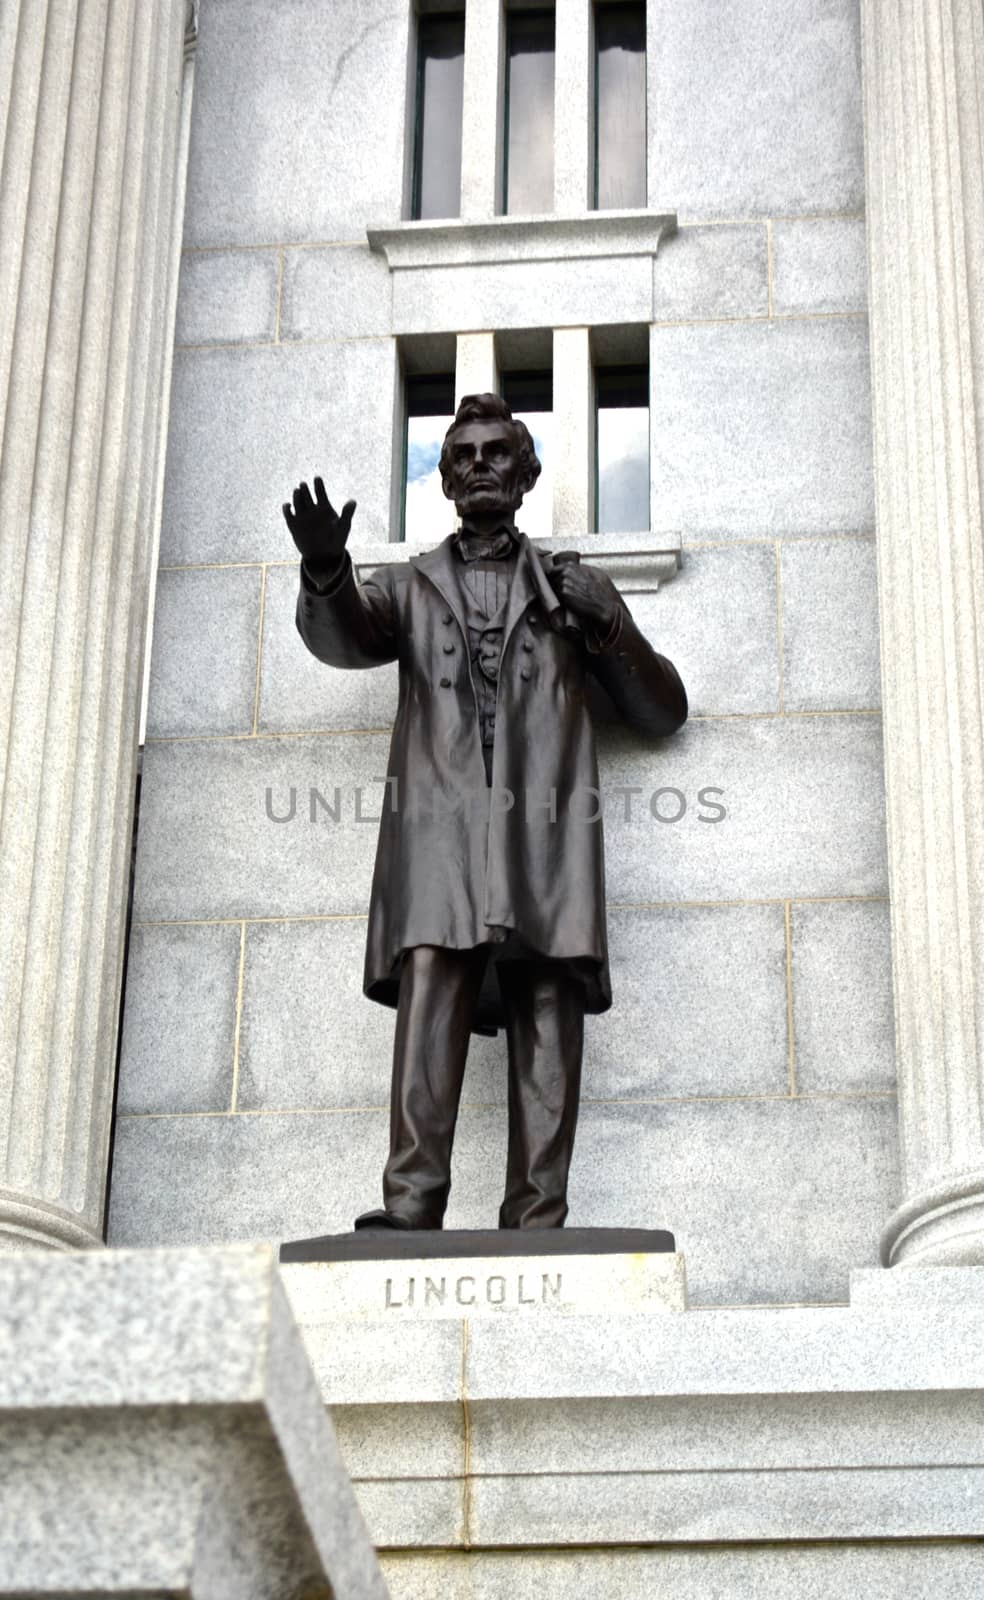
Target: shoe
x,y
381,1220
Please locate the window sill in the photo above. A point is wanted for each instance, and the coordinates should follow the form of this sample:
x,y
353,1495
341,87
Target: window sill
x,y
414,245
637,562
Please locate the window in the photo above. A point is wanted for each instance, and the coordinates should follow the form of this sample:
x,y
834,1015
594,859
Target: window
x,y
620,106
437,138
529,396
622,435
427,515
529,159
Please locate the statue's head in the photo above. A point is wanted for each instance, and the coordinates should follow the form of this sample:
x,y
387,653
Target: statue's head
x,y
488,462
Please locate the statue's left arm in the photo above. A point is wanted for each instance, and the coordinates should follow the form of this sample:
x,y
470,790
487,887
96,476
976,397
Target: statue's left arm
x,y
644,686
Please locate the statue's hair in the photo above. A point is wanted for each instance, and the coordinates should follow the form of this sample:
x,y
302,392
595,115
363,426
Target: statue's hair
x,y
492,408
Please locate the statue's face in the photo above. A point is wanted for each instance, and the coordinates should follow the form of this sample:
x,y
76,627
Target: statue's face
x,y
485,468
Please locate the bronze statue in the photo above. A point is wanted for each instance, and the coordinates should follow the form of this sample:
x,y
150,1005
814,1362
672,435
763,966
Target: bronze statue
x,y
488,899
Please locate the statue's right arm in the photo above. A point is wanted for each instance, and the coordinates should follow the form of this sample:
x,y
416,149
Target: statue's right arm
x,y
343,623
348,624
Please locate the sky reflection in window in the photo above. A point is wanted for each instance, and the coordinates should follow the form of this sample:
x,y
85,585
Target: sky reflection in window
x,y
429,516
623,469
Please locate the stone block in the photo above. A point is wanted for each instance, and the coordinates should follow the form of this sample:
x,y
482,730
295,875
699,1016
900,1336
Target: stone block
x,y
248,424
547,294
830,625
626,1508
702,273
644,1508
818,265
225,1179
228,296
724,1432
945,1571
162,1433
761,427
532,1285
842,997
717,624
340,293
699,1005
755,108
879,1358
411,1440
423,1515
294,136
203,660
803,803
308,1037
769,1200
298,692
179,1018
210,848
414,1364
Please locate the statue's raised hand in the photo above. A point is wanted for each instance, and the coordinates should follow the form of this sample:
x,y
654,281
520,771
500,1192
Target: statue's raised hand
x,y
318,531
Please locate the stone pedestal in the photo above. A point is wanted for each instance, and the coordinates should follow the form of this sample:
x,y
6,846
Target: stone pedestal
x,y
91,156
924,127
161,1433
486,1286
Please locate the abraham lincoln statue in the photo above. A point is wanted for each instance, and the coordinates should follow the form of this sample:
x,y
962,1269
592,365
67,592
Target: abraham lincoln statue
x,y
488,899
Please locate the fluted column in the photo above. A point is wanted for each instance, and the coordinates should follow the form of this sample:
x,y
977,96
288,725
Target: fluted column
x,y
924,136
90,157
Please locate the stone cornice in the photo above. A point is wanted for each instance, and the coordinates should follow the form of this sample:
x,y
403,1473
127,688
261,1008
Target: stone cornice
x,y
414,245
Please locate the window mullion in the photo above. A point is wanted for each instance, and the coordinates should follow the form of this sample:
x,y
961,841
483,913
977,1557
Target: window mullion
x,y
652,171
482,119
476,368
573,505
574,108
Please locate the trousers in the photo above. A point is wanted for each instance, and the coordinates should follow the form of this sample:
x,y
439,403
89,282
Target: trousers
x,y
543,1006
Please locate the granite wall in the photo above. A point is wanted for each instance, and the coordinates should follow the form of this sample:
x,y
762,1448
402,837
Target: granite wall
x,y
741,1090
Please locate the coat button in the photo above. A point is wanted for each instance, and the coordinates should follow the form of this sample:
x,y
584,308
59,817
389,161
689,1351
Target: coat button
x,y
445,683
527,645
447,617
449,649
533,619
526,675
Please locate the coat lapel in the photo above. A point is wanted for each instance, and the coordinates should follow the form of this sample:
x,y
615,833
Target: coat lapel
x,y
437,566
529,583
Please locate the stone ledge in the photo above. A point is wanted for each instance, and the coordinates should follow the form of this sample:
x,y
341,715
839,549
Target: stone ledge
x,y
416,245
162,1432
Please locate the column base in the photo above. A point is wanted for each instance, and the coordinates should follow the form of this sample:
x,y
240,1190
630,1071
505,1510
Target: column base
x,y
32,1225
941,1227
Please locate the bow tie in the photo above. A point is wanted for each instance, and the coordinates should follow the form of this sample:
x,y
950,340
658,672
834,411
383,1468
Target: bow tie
x,y
473,547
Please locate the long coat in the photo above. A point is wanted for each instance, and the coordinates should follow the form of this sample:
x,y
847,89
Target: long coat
x,y
456,858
